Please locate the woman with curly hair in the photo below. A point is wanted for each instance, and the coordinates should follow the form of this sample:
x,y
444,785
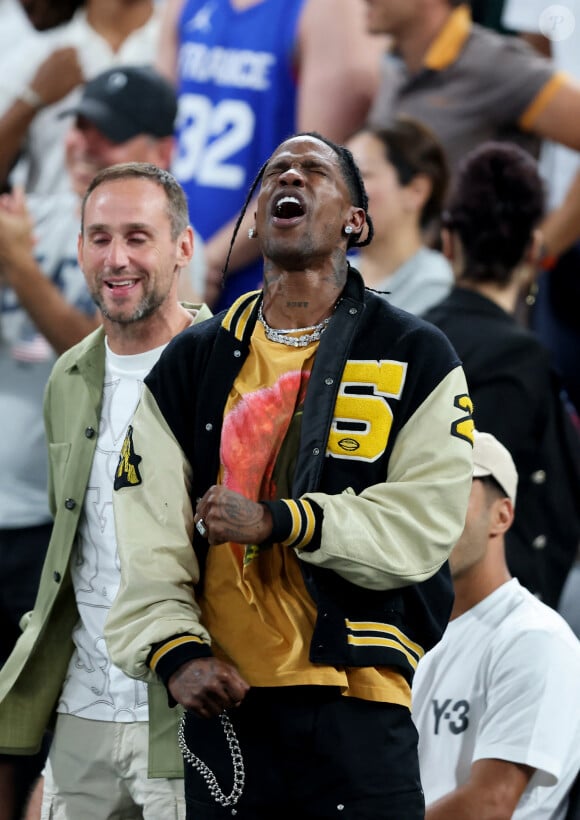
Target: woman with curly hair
x,y
490,235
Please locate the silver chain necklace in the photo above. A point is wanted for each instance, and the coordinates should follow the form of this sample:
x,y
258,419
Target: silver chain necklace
x,y
207,774
309,334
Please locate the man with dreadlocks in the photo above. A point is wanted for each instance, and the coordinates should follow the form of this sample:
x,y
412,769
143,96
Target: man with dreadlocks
x,y
294,478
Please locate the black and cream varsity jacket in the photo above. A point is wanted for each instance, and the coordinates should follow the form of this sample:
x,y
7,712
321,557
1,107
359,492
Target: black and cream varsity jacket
x,y
379,495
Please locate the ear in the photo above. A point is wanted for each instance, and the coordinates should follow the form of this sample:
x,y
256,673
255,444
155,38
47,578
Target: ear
x,y
185,247
418,191
164,148
356,219
502,516
80,245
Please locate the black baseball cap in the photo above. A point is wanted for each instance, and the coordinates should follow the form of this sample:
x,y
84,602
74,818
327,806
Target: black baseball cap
x,y
127,101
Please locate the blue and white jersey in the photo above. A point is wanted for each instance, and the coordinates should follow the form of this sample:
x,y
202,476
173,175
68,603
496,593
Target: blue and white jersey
x,y
237,101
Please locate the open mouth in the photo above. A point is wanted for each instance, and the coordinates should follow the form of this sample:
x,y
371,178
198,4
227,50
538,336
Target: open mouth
x,y
121,283
288,207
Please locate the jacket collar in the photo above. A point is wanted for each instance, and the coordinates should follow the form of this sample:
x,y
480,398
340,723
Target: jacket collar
x,y
447,45
241,317
468,299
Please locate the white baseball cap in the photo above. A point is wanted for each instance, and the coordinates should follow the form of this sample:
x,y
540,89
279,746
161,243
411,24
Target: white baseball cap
x,y
490,458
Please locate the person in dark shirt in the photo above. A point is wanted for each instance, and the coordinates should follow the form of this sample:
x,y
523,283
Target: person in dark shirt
x,y
490,237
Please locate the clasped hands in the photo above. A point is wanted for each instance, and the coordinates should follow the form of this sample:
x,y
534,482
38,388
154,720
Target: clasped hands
x,y
223,515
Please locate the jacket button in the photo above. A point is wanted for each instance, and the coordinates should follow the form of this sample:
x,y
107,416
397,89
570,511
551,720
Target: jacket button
x,y
353,311
70,503
328,381
56,576
539,542
316,451
209,427
237,354
539,477
90,432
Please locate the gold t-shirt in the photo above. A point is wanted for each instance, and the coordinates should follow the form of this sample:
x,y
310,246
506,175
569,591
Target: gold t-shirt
x,y
255,603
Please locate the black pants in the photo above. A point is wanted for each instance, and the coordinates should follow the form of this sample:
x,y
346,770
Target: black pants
x,y
22,553
309,753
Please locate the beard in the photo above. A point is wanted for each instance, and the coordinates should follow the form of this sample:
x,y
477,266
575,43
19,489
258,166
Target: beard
x,y
147,306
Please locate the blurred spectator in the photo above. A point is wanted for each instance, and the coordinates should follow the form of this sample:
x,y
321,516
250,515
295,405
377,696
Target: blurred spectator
x,y
470,84
15,24
45,14
490,238
249,73
124,114
42,78
554,316
405,174
496,701
557,302
23,20
14,28
114,124
489,13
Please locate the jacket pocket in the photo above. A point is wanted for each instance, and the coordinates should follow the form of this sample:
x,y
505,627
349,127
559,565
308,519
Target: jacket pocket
x,y
58,456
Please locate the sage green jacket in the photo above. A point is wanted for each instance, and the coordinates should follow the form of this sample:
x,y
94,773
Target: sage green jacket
x,y
32,677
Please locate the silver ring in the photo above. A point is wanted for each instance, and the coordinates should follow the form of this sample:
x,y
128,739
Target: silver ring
x,y
201,528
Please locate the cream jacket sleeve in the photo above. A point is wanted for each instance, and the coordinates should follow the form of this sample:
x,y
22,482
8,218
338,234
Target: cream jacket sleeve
x,y
154,522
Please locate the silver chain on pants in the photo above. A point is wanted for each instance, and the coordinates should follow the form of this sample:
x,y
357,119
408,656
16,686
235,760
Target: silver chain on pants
x,y
211,780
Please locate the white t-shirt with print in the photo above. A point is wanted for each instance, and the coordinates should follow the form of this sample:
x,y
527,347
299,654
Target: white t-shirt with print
x,y
503,683
94,687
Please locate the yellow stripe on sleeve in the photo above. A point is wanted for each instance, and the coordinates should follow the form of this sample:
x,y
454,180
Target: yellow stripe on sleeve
x,y
374,626
541,100
310,521
370,641
296,521
163,650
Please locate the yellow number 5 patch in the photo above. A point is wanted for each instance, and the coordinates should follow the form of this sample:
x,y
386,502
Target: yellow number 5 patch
x,y
362,418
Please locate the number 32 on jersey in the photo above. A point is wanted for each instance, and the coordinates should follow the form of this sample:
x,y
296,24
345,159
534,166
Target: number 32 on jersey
x,y
210,136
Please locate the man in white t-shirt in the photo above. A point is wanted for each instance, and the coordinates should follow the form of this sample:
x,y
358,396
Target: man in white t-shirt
x,y
124,114
496,701
45,75
114,751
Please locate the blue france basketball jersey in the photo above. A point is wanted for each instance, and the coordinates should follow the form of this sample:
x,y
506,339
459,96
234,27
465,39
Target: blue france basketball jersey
x,y
237,102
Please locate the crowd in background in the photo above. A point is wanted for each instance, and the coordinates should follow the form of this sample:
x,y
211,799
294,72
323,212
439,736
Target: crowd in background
x,y
485,246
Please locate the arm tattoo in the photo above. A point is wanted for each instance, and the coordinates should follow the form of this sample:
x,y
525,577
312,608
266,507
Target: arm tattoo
x,y
239,515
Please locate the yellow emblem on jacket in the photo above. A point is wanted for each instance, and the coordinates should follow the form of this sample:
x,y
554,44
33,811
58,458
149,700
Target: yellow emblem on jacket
x,y
128,474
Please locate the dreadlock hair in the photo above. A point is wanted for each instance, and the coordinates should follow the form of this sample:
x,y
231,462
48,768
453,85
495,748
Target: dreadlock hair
x,y
354,182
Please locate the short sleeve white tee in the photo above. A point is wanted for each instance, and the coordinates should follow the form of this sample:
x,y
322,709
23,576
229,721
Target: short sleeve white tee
x,y
95,688
43,170
503,683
